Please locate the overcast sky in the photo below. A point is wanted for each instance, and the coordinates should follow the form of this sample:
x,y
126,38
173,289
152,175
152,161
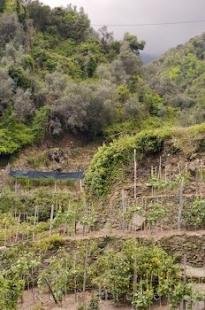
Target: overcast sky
x,y
158,38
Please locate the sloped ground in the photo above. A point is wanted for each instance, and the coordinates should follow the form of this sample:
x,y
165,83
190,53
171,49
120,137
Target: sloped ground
x,y
67,155
71,302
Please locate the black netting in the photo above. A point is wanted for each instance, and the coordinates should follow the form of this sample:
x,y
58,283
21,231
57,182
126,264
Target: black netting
x,y
47,175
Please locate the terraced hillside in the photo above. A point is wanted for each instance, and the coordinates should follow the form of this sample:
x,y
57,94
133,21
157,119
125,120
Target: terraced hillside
x,y
132,234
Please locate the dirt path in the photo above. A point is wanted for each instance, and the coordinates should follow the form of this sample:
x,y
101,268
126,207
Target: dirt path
x,y
195,273
152,235
36,300
144,234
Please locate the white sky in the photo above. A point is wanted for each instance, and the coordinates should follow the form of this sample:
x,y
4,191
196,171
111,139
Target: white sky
x,y
158,38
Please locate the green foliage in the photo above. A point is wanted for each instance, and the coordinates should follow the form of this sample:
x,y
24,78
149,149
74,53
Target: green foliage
x,y
178,76
155,213
139,273
143,299
53,242
111,157
194,214
94,303
15,135
10,291
9,5
39,124
20,77
14,138
158,183
65,272
2,6
58,274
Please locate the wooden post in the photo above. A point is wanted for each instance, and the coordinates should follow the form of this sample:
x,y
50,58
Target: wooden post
x,y
165,173
152,171
52,208
160,168
123,208
51,218
16,186
75,282
81,186
135,174
35,219
181,203
85,272
184,279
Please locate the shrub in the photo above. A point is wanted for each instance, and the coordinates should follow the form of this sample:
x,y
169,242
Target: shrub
x,y
111,157
194,214
20,77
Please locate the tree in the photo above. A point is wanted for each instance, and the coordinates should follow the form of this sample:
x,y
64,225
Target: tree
x,y
10,29
106,38
134,44
6,90
23,104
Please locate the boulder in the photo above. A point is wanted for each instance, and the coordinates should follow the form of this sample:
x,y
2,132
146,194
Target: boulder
x,y
137,222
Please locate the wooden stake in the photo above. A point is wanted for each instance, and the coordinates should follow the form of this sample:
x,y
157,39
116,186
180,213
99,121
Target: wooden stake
x,y
51,217
181,203
123,208
135,174
160,168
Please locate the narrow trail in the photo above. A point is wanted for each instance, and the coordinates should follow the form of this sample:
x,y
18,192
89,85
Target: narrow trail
x,y
149,235
155,235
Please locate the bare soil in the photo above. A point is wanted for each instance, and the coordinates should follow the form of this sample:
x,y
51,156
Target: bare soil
x,y
33,300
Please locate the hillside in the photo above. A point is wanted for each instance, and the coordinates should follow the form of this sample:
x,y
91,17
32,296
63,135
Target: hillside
x,y
70,78
131,235
179,76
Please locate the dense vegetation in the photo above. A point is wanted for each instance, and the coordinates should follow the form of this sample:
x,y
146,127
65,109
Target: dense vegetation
x,y
52,59
135,274
59,76
179,76
108,162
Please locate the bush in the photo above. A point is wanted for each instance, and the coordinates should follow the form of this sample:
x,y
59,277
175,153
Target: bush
x,y
111,157
138,274
194,214
12,140
20,77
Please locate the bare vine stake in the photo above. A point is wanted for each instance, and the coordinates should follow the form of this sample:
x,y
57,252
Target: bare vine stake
x,y
81,186
75,282
165,173
35,220
135,174
84,214
181,203
204,268
51,218
16,186
123,208
17,228
184,279
52,210
160,168
152,172
85,272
